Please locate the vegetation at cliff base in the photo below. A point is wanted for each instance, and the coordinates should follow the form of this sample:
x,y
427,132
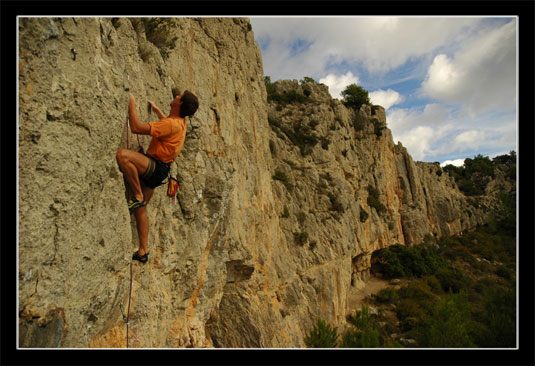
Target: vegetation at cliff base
x,y
452,292
322,336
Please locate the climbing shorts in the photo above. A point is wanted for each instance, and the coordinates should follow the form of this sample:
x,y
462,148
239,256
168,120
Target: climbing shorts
x,y
156,172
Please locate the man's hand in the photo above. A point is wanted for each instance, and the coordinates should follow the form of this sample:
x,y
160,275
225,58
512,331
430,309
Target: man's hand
x,y
156,109
135,124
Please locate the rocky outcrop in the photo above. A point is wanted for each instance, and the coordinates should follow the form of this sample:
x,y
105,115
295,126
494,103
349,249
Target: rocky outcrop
x,y
242,259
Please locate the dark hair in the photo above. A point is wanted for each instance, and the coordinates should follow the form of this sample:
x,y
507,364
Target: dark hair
x,y
190,103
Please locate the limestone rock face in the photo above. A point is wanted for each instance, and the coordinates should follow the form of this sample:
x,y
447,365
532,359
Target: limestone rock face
x,y
241,259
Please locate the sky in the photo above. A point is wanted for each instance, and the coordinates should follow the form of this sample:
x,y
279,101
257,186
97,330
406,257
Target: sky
x,y
448,84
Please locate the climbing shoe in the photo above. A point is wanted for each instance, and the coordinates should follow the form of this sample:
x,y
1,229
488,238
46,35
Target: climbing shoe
x,y
142,258
134,203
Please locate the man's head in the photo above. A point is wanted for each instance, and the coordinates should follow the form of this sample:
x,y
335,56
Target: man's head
x,y
188,102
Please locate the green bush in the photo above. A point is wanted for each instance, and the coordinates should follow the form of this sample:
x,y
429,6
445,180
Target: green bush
x,y
387,295
282,177
474,176
287,97
355,96
448,324
306,80
363,215
301,217
499,319
452,280
398,261
270,87
322,336
300,238
373,200
335,203
272,146
158,31
378,127
365,335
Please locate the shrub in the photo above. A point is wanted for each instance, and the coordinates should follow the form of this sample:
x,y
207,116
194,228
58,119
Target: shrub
x,y
300,237
365,335
273,122
313,123
503,272
282,177
335,204
301,217
448,325
452,280
270,87
307,79
158,31
378,127
355,96
387,295
499,317
272,146
473,177
322,336
373,200
325,141
286,97
363,215
300,135
401,261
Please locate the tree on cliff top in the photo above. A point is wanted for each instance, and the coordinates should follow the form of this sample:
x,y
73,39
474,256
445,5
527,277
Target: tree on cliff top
x,y
355,96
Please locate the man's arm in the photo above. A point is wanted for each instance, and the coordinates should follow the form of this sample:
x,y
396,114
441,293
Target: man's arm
x,y
135,124
156,110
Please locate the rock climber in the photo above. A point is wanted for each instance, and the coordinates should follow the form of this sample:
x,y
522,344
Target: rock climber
x,y
146,171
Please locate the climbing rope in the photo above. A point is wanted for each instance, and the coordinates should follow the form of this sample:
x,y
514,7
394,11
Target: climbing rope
x,y
126,318
139,146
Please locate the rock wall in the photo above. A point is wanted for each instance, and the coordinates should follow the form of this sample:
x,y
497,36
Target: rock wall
x,y
242,259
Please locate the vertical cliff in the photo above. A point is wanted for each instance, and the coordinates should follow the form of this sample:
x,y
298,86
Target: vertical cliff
x,y
242,259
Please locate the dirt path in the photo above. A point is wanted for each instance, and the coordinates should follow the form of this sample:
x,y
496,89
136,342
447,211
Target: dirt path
x,y
357,296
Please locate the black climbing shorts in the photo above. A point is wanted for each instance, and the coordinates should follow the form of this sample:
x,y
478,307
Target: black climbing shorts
x,y
156,172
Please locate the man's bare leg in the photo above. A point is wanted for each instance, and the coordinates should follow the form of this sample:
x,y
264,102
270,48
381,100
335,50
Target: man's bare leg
x,y
142,222
133,164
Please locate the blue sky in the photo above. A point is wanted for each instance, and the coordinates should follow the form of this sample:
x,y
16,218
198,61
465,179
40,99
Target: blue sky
x,y
448,84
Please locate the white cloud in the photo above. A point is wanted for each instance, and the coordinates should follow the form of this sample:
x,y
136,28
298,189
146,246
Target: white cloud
x,y
385,98
456,162
468,140
379,43
418,141
453,132
481,74
337,84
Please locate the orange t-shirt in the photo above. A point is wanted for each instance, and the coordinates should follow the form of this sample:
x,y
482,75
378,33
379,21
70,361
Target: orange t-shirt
x,y
168,136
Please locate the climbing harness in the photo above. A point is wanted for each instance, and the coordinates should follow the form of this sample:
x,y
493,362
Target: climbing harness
x,y
126,318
